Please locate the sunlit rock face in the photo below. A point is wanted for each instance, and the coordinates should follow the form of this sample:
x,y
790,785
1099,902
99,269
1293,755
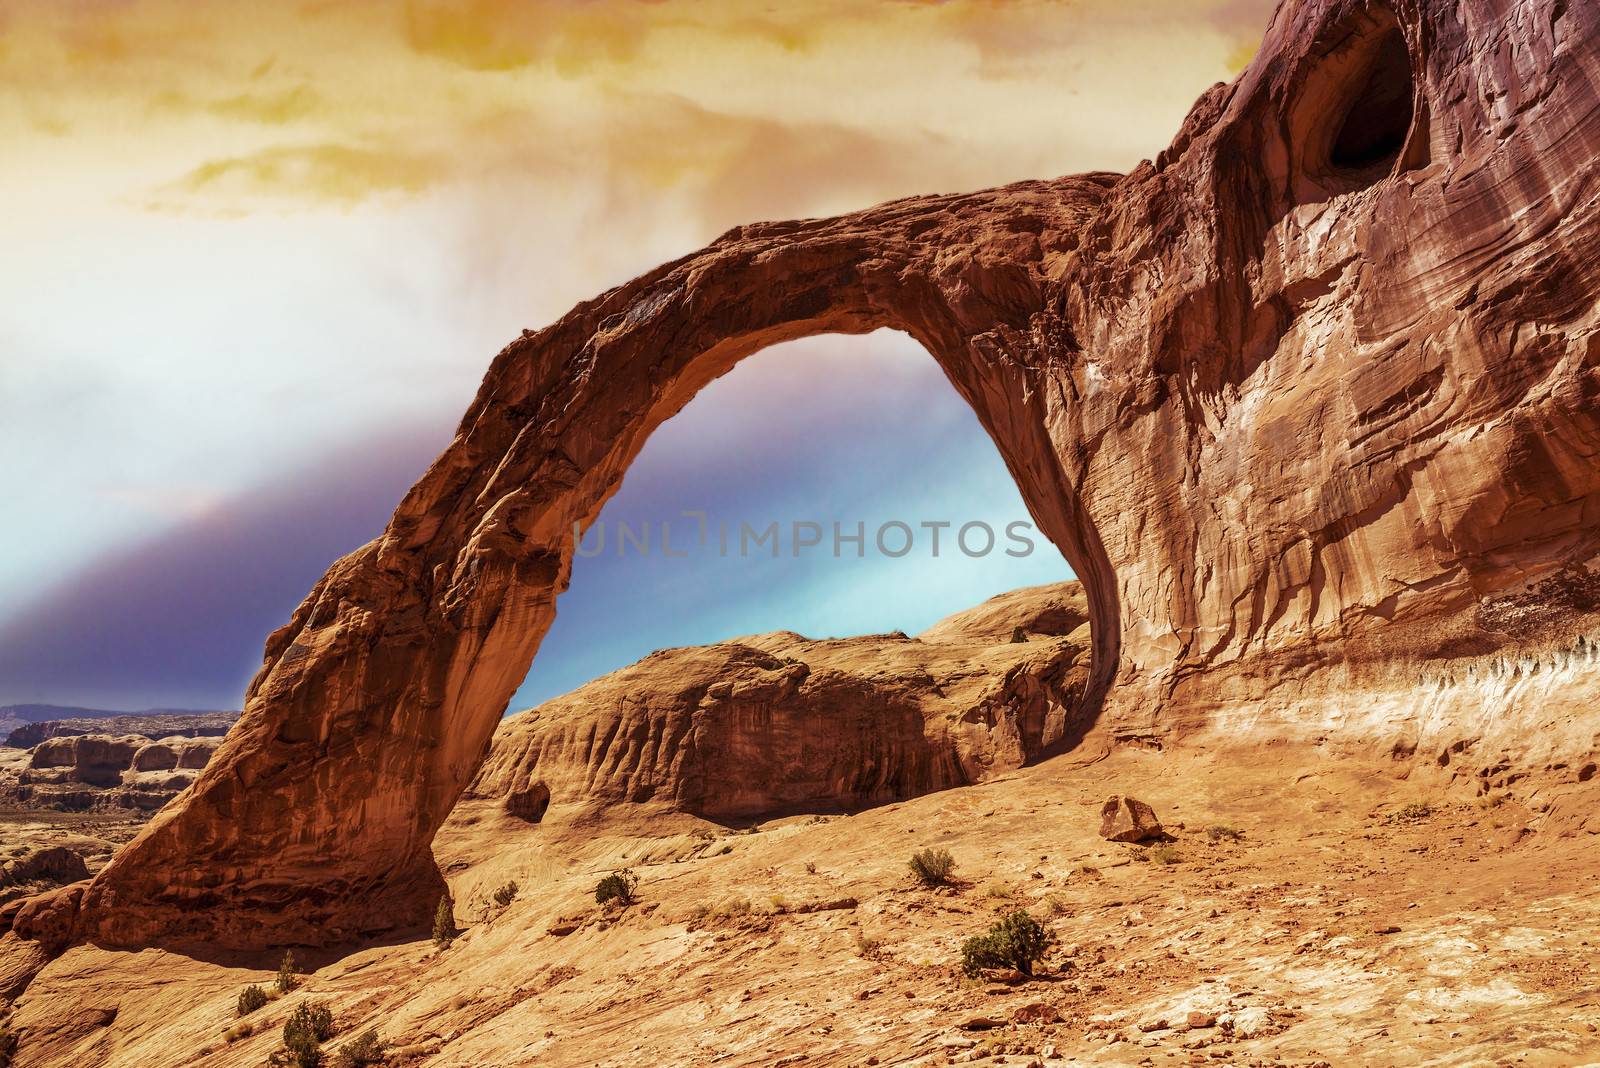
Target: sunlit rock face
x,y
1311,403
779,723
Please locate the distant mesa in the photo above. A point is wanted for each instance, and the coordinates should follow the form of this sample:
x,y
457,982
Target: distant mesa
x,y
25,726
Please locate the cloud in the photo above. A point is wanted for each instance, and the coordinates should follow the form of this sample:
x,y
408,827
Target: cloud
x,y
326,172
181,618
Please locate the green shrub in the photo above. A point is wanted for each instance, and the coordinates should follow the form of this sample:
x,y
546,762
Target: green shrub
x,y
444,922
1218,831
1166,854
363,1050
1017,941
288,973
307,1027
932,867
620,886
312,1020
251,998
506,894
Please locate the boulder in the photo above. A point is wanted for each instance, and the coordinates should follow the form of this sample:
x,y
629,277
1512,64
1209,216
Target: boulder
x,y
1127,819
56,864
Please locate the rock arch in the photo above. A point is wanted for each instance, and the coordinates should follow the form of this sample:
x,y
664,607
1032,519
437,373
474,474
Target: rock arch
x,y
1320,446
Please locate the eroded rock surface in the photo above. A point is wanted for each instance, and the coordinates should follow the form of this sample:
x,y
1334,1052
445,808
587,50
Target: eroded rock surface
x,y
1127,819
778,722
85,771
1311,403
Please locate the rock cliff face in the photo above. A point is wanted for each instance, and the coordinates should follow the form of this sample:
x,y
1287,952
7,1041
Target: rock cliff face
x,y
1311,403
778,723
104,772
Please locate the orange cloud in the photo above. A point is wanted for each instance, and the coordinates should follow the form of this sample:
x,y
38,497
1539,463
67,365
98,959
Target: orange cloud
x,y
330,172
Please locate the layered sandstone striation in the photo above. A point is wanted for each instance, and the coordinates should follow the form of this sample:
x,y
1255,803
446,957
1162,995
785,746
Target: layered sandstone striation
x,y
781,723
1311,403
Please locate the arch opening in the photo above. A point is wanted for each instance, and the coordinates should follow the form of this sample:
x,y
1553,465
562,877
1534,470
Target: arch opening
x,y
893,509
1372,132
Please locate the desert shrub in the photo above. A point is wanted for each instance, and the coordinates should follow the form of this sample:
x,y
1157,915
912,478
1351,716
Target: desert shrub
x,y
363,1050
307,1027
1166,854
1218,831
312,1020
1017,941
251,998
811,867
8,1045
620,886
1412,813
242,1029
288,973
444,922
932,867
506,894
1000,891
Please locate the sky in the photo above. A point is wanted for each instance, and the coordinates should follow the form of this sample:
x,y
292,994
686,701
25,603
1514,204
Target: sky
x,y
258,257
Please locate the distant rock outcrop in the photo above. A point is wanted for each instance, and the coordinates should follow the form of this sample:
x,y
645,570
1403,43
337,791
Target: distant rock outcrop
x,y
100,771
778,722
152,724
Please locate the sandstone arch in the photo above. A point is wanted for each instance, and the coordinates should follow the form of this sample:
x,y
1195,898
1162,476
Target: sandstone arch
x,y
1321,441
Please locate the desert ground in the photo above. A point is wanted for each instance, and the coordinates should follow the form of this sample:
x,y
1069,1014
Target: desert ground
x,y
1312,908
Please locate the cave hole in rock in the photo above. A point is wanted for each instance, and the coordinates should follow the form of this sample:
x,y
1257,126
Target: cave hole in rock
x,y
1373,127
864,432
530,802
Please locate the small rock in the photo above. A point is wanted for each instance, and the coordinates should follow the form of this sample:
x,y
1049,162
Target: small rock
x,y
1158,1024
1199,1020
981,1023
1008,976
561,928
1035,1012
1127,819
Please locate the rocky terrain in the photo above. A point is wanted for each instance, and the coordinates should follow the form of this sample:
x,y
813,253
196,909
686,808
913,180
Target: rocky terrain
x,y
152,724
1309,910
1311,403
70,799
1289,905
758,725
27,725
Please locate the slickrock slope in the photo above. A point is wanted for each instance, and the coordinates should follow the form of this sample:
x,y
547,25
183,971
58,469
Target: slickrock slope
x,y
779,722
1358,919
1311,403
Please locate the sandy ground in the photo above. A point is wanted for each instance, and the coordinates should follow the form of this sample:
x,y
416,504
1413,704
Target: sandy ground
x,y
1362,917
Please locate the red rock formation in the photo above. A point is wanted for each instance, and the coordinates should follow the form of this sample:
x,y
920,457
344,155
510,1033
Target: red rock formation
x,y
1311,403
778,722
